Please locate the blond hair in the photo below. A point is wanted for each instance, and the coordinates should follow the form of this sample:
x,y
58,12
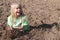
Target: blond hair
x,y
13,6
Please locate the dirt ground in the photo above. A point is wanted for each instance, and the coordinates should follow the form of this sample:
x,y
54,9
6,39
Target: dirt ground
x,y
43,17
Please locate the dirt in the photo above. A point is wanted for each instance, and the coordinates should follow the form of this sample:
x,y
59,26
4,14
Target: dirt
x,y
43,17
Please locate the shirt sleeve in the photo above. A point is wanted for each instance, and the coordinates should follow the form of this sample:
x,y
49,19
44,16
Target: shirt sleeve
x,y
9,21
25,23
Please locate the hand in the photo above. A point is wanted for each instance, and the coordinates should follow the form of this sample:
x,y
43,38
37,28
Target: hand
x,y
20,28
9,28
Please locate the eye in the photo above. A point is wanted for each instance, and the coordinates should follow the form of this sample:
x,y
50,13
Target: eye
x,y
17,8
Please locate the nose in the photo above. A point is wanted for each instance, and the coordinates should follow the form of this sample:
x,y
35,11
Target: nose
x,y
18,9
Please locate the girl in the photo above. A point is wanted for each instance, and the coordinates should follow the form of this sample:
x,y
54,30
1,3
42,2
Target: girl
x,y
17,20
17,23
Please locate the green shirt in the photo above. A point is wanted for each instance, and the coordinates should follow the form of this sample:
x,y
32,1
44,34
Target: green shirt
x,y
21,20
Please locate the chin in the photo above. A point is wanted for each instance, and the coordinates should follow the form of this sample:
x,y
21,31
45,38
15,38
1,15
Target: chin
x,y
17,15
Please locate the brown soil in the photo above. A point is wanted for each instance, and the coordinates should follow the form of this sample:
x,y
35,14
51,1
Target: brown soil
x,y
43,16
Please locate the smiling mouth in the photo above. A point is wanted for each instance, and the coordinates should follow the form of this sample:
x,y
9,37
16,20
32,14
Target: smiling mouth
x,y
17,12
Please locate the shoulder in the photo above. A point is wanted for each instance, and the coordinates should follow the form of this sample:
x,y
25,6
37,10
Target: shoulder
x,y
10,17
24,17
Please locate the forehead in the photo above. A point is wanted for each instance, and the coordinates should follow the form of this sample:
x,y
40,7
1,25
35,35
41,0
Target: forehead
x,y
15,5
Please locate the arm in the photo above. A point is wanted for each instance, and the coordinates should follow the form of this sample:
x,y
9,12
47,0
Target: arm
x,y
8,28
9,24
20,27
25,24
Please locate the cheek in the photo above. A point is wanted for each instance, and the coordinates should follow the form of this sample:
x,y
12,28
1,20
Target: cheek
x,y
16,10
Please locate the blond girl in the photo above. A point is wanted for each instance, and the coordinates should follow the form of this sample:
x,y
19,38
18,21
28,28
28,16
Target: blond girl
x,y
16,23
17,20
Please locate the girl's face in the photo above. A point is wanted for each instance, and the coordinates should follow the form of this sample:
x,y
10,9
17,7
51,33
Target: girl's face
x,y
17,10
